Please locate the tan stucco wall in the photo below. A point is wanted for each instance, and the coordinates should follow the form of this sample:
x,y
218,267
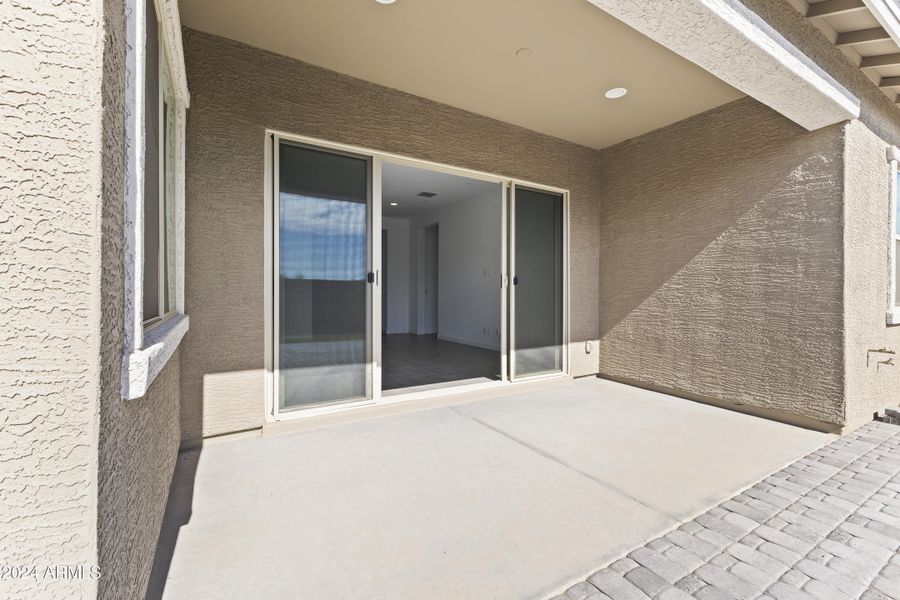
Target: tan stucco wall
x,y
772,299
720,262
50,153
84,475
138,439
872,383
237,91
866,223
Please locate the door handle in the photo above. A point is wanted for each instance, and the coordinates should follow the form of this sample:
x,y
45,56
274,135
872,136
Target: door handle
x,y
370,277
515,280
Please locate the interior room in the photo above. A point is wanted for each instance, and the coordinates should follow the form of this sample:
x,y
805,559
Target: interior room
x,y
441,268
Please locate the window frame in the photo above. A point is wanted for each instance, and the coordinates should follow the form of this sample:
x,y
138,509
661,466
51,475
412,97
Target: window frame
x,y
164,236
893,299
149,344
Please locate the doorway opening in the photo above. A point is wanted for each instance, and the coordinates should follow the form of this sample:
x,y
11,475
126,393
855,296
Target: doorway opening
x,y
442,256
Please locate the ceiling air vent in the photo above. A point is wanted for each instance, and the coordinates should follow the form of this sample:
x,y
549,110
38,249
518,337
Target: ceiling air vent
x,y
427,194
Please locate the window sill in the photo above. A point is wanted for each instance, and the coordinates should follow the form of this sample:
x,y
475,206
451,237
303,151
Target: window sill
x,y
142,366
893,316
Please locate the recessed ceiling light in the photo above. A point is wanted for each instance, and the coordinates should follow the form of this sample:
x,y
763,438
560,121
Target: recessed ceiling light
x,y
615,93
523,52
385,1
393,204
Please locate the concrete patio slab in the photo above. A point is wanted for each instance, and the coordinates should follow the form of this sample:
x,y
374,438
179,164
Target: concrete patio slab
x,y
506,497
673,455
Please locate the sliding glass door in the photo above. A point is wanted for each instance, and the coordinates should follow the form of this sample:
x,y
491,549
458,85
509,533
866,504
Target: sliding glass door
x,y
325,215
324,281
537,267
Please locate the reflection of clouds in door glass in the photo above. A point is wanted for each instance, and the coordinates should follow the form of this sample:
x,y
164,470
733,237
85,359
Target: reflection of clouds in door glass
x,y
322,238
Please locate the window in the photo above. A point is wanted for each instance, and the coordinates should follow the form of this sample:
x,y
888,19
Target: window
x,y
157,97
896,237
893,308
159,183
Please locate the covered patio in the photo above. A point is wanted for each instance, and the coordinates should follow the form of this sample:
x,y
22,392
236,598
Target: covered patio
x,y
516,494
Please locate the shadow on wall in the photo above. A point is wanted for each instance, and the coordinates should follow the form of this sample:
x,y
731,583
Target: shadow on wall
x,y
739,181
720,236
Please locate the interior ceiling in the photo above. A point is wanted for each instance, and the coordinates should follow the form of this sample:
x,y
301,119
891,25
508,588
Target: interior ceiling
x,y
463,53
402,184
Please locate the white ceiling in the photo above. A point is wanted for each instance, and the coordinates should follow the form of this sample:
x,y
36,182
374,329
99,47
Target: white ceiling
x,y
401,184
463,53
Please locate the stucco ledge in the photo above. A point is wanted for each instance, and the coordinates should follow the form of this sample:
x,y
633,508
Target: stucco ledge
x,y
142,366
893,317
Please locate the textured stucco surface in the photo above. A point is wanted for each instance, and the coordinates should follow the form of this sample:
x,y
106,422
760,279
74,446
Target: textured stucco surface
x,y
83,475
50,151
872,383
866,213
720,261
236,92
138,439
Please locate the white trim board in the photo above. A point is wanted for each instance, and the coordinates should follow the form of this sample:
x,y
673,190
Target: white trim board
x,y
733,43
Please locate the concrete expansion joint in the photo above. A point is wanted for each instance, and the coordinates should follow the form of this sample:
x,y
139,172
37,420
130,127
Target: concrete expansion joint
x,y
565,464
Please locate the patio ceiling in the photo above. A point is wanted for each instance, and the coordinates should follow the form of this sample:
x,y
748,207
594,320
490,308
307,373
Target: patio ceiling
x,y
468,54
867,31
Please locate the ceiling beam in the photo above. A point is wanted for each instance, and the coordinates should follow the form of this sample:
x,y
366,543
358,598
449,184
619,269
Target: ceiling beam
x,y
883,60
863,36
887,13
888,82
833,7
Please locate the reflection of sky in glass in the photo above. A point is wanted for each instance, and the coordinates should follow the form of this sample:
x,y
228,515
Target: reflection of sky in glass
x,y
322,238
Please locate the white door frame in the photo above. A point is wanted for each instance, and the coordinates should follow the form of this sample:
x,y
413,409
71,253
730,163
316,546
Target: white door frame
x,y
512,288
374,350
272,297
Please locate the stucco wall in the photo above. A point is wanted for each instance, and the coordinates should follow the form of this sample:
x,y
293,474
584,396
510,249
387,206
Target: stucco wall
x,y
50,151
872,383
720,262
238,91
867,232
84,475
138,439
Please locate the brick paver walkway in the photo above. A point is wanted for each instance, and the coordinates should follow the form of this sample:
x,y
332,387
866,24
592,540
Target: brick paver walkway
x,y
826,527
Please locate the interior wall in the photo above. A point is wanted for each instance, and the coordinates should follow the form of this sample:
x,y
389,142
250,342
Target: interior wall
x,y
469,257
398,280
237,91
469,267
721,262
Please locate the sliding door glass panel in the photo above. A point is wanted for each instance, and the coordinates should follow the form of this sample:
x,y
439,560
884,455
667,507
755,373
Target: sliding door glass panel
x,y
323,321
538,282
